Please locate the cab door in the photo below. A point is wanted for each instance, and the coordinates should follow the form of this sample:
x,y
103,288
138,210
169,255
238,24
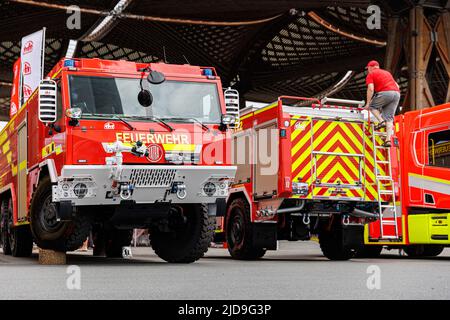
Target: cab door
x,y
436,174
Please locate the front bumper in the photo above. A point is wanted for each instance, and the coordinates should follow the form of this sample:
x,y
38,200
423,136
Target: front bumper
x,y
143,184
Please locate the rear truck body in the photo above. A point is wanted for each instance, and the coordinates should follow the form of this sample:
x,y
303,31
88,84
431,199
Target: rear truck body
x,y
303,171
422,173
83,155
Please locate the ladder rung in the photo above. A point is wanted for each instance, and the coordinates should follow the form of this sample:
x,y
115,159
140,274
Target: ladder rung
x,y
387,206
382,162
386,191
389,237
389,223
384,178
382,147
380,133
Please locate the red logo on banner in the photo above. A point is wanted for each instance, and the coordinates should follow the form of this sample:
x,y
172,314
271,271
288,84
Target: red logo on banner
x,y
12,109
27,91
28,47
15,90
26,68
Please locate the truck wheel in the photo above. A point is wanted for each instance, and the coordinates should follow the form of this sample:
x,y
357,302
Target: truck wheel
x,y
239,231
48,232
420,250
369,252
4,227
433,250
19,239
191,232
332,244
115,240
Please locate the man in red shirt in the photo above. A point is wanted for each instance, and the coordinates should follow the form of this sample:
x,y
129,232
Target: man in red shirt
x,y
383,96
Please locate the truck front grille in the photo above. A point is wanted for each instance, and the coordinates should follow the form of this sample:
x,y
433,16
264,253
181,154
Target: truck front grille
x,y
158,178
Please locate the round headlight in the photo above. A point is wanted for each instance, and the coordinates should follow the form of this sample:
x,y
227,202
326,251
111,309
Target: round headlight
x,y
209,189
80,190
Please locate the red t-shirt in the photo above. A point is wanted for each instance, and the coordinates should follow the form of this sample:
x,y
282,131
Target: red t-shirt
x,y
382,80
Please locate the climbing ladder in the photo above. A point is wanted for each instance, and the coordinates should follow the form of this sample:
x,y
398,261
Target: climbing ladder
x,y
385,186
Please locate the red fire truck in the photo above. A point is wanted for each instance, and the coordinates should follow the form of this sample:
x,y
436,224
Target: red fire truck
x,y
308,169
419,223
109,146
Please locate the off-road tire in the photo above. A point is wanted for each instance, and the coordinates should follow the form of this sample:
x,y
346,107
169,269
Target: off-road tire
x,y
331,243
67,235
4,233
239,232
421,250
433,250
189,242
19,237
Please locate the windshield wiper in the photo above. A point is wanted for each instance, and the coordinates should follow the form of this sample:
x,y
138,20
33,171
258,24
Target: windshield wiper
x,y
113,116
205,127
156,119
129,125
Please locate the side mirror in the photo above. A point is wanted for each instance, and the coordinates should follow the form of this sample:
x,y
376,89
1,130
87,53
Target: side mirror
x,y
145,98
155,77
228,119
232,106
47,106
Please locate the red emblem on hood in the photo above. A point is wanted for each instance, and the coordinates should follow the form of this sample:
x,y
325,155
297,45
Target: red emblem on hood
x,y
155,153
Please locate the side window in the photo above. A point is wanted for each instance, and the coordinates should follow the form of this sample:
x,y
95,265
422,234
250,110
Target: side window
x,y
439,149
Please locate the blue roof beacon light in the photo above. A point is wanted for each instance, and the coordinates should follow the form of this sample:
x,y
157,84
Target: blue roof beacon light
x,y
69,63
208,72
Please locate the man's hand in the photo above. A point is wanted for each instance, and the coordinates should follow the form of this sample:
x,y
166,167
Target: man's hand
x,y
370,92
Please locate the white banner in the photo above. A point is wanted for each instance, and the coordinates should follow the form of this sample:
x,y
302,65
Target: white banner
x,y
32,66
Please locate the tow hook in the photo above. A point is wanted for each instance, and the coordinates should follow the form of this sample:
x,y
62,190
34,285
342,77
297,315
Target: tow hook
x,y
306,219
345,220
180,189
125,190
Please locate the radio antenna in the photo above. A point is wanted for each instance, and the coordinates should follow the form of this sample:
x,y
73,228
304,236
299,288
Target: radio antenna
x,y
186,59
164,52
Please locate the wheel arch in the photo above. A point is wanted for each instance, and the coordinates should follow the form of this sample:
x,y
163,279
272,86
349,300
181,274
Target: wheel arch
x,y
47,168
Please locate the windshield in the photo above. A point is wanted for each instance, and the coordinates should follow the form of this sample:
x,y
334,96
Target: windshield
x,y
102,96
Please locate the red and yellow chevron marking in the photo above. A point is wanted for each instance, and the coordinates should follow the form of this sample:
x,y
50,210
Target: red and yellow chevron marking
x,y
335,137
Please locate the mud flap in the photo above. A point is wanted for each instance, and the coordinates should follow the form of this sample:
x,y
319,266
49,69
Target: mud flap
x,y
217,209
65,211
353,236
265,235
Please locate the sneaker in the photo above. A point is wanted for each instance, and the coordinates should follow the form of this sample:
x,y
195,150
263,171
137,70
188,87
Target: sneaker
x,y
380,125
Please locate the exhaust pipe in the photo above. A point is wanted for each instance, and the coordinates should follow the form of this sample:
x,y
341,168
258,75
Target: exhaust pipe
x,y
363,214
292,210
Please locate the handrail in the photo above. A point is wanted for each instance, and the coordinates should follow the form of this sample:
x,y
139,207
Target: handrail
x,y
280,98
321,103
332,106
359,103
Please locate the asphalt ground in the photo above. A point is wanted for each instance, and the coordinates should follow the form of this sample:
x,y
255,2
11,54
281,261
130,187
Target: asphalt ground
x,y
296,271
